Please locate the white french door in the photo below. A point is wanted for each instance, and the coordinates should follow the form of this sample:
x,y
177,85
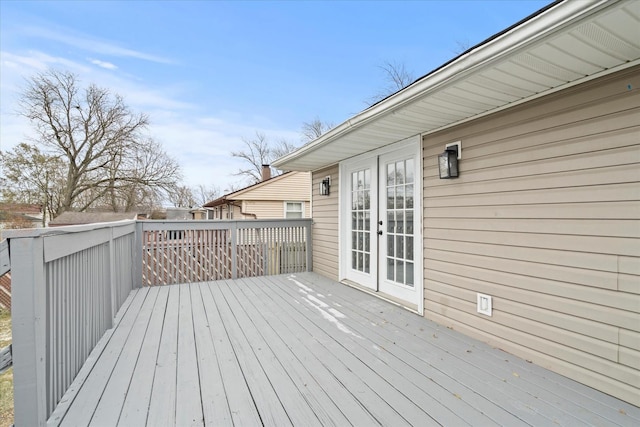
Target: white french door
x,y
359,210
380,210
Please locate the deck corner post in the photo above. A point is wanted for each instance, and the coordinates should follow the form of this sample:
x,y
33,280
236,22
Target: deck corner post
x,y
234,249
29,317
309,245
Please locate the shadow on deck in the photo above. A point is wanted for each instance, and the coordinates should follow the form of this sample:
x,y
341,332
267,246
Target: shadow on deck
x,y
303,350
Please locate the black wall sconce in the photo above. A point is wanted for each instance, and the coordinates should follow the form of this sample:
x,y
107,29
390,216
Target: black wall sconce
x,y
448,161
325,186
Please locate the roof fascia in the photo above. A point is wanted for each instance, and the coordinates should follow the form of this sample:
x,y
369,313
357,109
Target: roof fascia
x,y
540,25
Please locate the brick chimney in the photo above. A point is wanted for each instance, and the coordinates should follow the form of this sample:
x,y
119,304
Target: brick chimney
x,y
266,172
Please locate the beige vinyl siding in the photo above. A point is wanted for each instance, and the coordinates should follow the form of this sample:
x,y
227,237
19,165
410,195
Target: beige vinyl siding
x,y
268,209
545,218
235,212
325,224
293,186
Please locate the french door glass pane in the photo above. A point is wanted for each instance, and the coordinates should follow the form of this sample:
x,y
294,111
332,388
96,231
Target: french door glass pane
x,y
399,271
409,170
400,217
399,173
410,273
361,220
409,243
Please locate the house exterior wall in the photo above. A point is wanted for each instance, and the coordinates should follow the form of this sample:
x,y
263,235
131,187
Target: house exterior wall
x,y
222,212
267,209
293,186
325,224
545,218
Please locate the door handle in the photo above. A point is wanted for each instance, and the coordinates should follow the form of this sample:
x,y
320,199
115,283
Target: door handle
x,y
379,232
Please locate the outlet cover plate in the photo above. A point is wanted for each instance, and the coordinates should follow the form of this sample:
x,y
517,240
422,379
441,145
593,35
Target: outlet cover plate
x,y
484,304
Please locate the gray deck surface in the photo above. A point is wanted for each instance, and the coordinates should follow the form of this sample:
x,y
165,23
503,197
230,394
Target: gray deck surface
x,y
302,350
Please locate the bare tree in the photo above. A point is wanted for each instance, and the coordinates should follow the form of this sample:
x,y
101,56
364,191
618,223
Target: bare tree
x,y
203,194
395,77
259,151
314,129
99,139
182,196
280,149
255,154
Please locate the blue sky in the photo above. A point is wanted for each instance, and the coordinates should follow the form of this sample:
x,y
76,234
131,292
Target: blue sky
x,y
209,73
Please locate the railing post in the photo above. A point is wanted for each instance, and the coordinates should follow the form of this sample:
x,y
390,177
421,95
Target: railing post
x,y
137,261
112,278
309,243
29,330
234,249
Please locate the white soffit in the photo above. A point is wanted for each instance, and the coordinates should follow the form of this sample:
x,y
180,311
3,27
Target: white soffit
x,y
571,42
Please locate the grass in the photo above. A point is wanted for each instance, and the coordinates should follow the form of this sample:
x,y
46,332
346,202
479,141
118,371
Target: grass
x,y
6,379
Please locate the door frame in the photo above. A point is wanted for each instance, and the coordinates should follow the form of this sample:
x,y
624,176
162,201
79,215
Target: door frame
x,y
412,145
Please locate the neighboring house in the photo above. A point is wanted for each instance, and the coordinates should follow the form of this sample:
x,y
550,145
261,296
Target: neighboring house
x,y
198,213
535,247
283,196
178,213
21,215
78,218
184,213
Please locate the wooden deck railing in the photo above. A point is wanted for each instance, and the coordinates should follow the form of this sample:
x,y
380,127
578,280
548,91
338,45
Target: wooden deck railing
x,y
197,251
69,283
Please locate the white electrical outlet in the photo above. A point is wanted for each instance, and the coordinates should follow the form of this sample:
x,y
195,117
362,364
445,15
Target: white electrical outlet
x,y
484,305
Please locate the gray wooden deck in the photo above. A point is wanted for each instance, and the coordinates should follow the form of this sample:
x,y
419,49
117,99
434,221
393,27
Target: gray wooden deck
x,y
303,350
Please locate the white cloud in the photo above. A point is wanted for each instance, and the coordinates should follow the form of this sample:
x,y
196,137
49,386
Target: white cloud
x,y
90,44
203,145
103,64
200,142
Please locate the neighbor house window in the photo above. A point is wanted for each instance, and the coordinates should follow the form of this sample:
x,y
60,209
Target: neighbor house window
x,y
294,209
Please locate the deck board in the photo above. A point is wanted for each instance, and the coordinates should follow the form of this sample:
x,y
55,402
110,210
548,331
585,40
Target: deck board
x,y
341,364
292,394
241,405
456,378
295,339
116,389
332,334
420,382
188,400
215,407
554,394
162,406
304,350
83,407
134,411
262,389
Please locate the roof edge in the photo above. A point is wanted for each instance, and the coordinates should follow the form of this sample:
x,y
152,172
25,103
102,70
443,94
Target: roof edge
x,y
225,198
535,26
